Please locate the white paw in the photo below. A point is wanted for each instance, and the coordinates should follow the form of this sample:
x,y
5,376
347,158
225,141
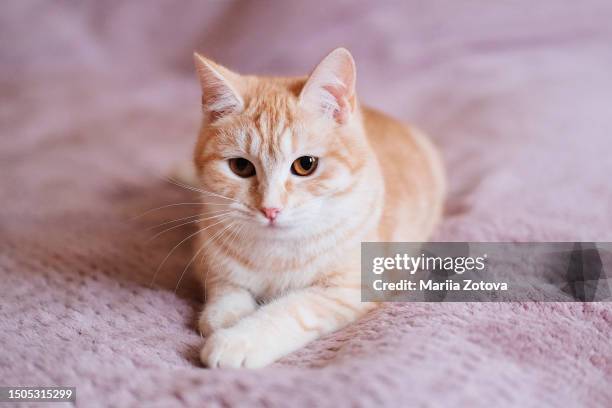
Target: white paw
x,y
213,319
226,312
234,348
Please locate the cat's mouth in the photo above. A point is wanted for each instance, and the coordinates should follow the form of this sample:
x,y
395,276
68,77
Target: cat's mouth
x,y
273,225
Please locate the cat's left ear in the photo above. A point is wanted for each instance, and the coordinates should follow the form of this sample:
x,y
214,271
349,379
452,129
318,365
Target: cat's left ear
x,y
330,89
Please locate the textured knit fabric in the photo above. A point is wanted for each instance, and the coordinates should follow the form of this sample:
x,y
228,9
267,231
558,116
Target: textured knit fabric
x,y
98,100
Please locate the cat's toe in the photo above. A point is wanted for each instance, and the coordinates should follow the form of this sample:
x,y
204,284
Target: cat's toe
x,y
229,348
212,350
222,350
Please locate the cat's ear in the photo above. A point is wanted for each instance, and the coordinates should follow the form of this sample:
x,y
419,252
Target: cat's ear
x,y
220,96
330,89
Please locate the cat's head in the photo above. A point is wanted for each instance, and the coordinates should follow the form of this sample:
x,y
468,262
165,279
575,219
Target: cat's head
x,y
285,152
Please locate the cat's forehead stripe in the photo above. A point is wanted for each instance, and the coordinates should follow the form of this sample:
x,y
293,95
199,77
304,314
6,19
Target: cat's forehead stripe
x,y
273,132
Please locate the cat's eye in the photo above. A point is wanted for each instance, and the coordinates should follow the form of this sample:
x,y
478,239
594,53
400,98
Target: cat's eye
x,y
304,166
242,167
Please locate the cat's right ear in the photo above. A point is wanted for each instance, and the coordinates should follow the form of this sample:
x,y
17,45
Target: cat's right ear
x,y
220,96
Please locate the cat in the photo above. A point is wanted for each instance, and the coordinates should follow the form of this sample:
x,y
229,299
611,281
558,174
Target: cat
x,y
295,174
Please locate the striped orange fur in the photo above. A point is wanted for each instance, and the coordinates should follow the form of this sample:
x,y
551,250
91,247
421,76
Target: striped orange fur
x,y
280,266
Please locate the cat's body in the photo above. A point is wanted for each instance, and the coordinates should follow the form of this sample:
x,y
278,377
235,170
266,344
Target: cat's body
x,y
297,175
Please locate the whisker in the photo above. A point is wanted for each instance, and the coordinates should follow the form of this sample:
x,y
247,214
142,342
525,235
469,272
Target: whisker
x,y
186,218
162,207
209,267
237,231
176,246
193,188
210,240
186,223
199,190
211,203
233,233
176,204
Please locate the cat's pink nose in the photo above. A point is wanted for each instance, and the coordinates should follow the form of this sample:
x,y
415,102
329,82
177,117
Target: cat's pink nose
x,y
270,213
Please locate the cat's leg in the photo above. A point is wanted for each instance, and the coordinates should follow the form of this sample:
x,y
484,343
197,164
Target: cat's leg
x,y
282,326
225,305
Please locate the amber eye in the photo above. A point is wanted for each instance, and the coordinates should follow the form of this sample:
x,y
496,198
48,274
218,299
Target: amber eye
x,y
242,167
304,166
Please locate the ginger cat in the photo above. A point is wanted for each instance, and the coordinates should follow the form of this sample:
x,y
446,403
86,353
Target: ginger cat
x,y
295,174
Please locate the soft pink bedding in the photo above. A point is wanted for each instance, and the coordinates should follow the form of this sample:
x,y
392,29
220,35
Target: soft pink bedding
x,y
99,99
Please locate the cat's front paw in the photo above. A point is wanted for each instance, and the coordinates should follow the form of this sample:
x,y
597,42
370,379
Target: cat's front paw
x,y
226,312
214,318
234,348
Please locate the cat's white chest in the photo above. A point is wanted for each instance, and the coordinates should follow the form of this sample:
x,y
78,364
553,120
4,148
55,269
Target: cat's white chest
x,y
278,271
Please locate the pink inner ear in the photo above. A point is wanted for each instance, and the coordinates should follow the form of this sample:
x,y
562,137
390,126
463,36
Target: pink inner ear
x,y
341,114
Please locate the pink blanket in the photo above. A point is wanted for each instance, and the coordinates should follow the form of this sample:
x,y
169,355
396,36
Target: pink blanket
x,y
99,99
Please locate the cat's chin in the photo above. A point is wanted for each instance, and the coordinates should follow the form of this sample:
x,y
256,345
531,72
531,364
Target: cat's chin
x,y
264,224
278,230
275,227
